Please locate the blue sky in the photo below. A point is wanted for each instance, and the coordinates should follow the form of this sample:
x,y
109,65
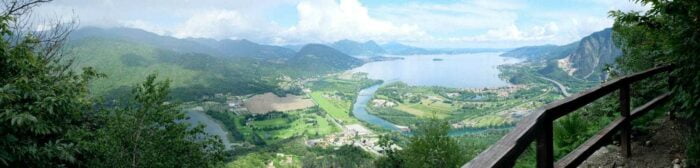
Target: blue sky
x,y
425,23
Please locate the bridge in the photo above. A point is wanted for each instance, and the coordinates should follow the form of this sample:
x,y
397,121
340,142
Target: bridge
x,y
538,126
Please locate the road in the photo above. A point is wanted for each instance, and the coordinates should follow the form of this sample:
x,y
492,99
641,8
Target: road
x,y
561,87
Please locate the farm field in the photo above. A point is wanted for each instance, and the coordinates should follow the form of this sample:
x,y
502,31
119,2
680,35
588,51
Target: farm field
x,y
268,102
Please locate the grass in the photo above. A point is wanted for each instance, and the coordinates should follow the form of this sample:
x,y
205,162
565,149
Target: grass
x,y
337,109
490,121
299,127
421,101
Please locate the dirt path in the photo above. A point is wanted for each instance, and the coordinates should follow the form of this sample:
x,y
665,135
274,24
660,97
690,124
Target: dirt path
x,y
664,147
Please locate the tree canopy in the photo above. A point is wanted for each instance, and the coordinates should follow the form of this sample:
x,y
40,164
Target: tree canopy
x,y
668,33
48,117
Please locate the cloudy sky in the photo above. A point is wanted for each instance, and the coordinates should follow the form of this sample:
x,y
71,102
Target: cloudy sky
x,y
425,23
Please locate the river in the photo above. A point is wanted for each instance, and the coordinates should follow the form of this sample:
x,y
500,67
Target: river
x,y
211,126
458,71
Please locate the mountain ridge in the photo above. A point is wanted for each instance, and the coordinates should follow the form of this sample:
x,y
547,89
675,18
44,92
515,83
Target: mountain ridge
x,y
583,59
197,67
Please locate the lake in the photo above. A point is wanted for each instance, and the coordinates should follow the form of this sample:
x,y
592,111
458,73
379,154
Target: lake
x,y
457,71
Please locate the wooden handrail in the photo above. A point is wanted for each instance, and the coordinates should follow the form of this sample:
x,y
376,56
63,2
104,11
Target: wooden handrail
x,y
538,126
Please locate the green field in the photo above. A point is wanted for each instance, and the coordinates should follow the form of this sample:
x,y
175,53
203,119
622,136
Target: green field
x,y
335,94
474,108
337,109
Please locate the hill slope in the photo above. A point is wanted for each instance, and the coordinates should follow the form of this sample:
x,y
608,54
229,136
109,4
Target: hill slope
x,y
127,56
369,48
321,58
592,54
584,59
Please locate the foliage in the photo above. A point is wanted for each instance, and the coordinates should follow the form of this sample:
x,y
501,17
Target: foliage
x,y
430,146
193,75
345,156
229,123
391,157
574,129
147,133
667,33
45,108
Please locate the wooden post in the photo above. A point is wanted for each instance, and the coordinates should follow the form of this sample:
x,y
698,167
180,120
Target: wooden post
x,y
545,145
626,126
671,84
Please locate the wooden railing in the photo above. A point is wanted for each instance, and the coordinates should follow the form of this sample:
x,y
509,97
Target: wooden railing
x,y
538,126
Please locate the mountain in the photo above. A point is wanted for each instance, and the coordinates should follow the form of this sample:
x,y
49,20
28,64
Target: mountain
x,y
219,48
144,37
591,55
197,67
245,48
396,48
584,59
544,52
320,58
369,48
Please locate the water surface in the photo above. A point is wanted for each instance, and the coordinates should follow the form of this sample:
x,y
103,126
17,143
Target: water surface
x,y
457,71
211,126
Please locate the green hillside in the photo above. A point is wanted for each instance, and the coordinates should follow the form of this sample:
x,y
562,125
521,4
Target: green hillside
x,y
125,63
197,67
317,58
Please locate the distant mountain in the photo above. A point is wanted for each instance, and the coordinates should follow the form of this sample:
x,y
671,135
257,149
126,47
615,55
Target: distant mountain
x,y
143,37
197,67
544,52
584,59
219,48
295,47
466,50
245,48
318,57
396,48
369,48
591,55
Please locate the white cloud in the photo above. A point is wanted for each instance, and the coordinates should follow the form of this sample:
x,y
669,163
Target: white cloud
x,y
330,20
623,5
140,24
464,23
453,17
215,24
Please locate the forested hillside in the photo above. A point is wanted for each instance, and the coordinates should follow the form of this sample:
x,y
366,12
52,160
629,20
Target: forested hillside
x,y
197,67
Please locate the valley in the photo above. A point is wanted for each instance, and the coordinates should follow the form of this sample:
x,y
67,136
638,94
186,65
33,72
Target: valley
x,y
293,106
348,83
350,108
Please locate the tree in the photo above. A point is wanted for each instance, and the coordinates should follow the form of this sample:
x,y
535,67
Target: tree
x,y
667,33
391,158
45,109
430,146
149,133
49,119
